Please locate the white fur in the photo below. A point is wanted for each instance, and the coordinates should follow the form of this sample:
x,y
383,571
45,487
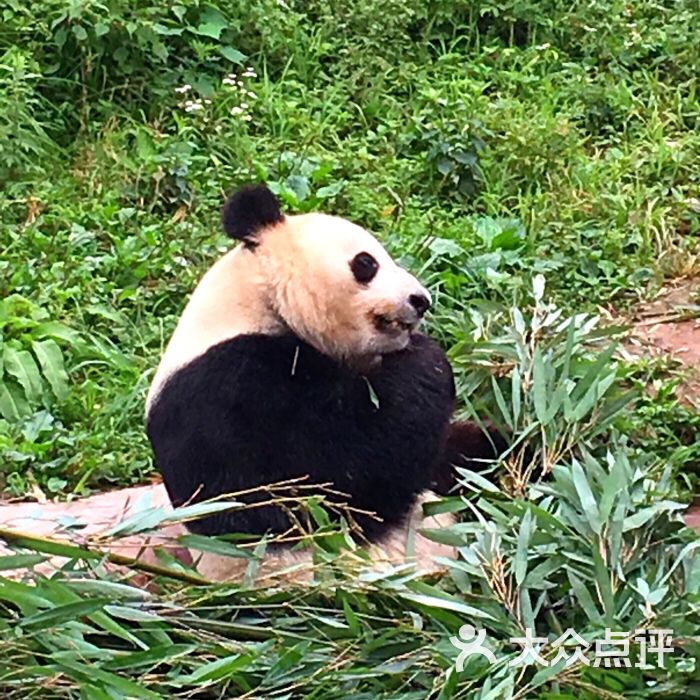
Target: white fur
x,y
298,278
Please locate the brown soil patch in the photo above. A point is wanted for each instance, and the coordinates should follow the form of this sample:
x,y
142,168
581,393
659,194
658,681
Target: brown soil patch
x,y
669,326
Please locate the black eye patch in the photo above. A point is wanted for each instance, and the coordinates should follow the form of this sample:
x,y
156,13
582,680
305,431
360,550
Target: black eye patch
x,y
364,267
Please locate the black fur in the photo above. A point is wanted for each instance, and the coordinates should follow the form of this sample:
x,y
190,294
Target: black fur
x,y
260,409
469,447
249,210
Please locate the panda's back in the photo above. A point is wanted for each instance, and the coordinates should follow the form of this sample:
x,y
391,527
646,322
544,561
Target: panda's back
x,y
262,409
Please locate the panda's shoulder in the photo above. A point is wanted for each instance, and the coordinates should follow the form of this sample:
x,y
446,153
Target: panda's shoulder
x,y
423,354
251,362
421,370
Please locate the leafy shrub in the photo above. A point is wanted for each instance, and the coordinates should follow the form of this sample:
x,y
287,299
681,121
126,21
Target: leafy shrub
x,y
32,369
23,137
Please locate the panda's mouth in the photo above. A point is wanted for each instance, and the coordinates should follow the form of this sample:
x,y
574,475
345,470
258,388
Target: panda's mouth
x,y
392,326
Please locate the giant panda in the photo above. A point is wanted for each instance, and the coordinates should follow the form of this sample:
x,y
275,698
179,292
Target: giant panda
x,y
298,356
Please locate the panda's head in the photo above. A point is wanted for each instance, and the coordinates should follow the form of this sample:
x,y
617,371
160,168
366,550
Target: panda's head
x,y
326,279
320,277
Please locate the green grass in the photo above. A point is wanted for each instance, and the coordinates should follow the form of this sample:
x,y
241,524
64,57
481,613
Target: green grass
x,y
485,143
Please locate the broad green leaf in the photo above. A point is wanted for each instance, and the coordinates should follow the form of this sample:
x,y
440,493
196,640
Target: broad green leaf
x,y
58,331
350,617
20,364
502,691
546,674
164,30
100,29
199,510
231,54
112,590
132,613
212,24
25,596
330,190
537,576
467,476
51,361
10,408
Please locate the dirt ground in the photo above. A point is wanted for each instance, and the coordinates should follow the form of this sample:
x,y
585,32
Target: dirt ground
x,y
669,326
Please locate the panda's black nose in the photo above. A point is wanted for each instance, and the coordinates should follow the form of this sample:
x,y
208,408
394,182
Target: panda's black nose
x,y
420,303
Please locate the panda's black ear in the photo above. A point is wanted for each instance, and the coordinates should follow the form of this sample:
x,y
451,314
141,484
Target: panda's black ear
x,y
249,210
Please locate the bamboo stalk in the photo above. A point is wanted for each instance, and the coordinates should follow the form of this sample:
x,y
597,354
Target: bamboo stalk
x,y
46,545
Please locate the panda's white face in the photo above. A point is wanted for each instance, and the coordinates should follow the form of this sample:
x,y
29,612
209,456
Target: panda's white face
x,y
335,286
324,278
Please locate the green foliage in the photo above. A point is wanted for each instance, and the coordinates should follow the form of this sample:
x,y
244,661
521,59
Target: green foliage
x,y
598,544
491,145
536,376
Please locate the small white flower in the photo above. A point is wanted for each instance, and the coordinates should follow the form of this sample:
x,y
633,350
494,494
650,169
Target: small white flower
x,y
251,94
207,102
244,105
240,83
247,118
183,89
236,110
228,81
231,76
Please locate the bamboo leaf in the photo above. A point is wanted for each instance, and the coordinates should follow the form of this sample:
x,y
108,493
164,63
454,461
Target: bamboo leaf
x,y
584,597
588,502
64,613
604,585
445,604
516,394
501,402
521,552
539,386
